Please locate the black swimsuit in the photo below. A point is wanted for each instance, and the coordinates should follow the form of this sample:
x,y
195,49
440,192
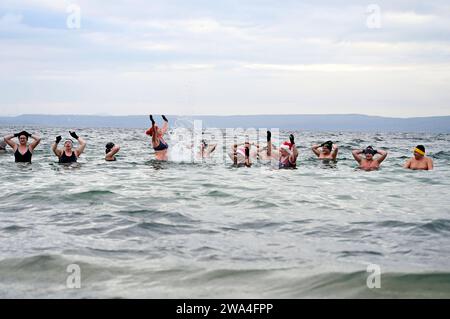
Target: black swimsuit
x,y
23,158
64,159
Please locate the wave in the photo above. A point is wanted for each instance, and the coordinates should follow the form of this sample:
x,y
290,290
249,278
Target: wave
x,y
100,279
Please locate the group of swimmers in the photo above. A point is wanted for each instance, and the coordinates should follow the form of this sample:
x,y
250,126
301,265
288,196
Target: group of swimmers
x,y
242,155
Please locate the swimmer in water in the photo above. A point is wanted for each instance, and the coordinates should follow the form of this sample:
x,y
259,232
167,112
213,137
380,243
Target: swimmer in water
x,y
23,152
241,154
369,163
68,154
206,149
158,143
288,154
111,150
326,151
419,161
268,152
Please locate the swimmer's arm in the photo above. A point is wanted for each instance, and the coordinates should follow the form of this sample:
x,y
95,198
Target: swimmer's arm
x,y
35,143
293,157
430,164
335,151
212,148
165,127
11,143
315,149
234,149
382,157
407,164
356,156
113,152
82,146
55,150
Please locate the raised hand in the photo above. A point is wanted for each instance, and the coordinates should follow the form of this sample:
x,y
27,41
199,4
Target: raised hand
x,y
58,139
291,138
74,135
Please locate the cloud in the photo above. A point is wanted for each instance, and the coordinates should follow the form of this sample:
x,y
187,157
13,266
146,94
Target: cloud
x,y
228,56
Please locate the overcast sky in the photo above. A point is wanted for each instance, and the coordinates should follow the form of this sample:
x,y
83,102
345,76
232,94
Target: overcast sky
x,y
191,57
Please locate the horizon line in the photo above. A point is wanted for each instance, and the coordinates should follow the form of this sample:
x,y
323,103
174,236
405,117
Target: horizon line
x,y
231,115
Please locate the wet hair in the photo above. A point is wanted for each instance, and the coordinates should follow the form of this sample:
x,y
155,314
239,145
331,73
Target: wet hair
x,y
328,145
109,146
23,133
421,147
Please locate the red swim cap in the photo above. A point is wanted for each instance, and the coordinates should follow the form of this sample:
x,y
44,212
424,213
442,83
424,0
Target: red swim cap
x,y
150,131
287,144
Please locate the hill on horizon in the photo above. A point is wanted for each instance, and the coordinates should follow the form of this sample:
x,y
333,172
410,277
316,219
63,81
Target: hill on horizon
x,y
308,122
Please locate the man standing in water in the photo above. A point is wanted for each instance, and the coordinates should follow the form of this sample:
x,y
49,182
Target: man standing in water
x,y
158,143
419,161
23,152
68,155
369,163
326,150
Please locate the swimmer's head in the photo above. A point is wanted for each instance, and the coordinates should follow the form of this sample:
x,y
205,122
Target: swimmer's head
x,y
23,138
203,145
285,149
327,147
109,147
153,130
68,144
369,152
419,151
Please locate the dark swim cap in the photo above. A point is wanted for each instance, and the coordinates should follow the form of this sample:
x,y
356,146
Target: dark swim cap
x,y
369,150
109,146
328,144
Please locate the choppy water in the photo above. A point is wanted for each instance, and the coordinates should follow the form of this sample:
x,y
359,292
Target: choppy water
x,y
143,229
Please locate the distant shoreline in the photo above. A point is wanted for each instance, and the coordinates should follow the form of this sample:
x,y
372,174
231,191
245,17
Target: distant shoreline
x,y
306,122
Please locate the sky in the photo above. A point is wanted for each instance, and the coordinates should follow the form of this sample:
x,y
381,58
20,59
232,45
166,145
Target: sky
x,y
225,57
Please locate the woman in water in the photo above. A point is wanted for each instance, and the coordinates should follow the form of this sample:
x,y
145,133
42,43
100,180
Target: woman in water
x,y
268,152
206,149
288,154
157,134
241,154
111,150
68,154
23,152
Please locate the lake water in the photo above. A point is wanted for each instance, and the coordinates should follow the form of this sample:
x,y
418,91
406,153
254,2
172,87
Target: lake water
x,y
143,229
